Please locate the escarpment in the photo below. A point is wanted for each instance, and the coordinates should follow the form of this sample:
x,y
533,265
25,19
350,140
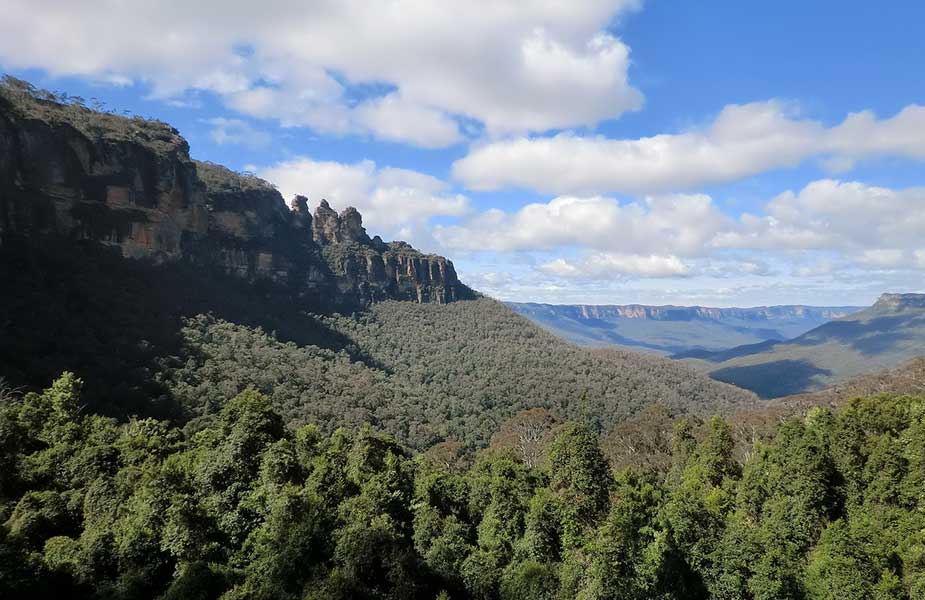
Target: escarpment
x,y
371,270
126,183
130,184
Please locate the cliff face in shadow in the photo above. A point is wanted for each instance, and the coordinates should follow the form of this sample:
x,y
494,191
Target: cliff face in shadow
x,y
129,184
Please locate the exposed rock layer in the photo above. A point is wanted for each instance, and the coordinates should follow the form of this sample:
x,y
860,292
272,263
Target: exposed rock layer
x,y
130,184
895,302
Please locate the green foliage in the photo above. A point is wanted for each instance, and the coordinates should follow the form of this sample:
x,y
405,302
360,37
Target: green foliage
x,y
580,478
94,121
178,341
829,507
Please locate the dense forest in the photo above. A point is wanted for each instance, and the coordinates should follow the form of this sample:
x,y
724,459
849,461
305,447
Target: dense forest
x,y
425,373
828,506
177,341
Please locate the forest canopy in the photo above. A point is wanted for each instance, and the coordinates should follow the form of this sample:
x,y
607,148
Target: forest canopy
x,y
829,506
178,341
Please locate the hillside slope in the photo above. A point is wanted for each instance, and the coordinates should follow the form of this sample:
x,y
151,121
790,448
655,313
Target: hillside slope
x,y
169,285
675,329
885,335
908,379
191,339
428,372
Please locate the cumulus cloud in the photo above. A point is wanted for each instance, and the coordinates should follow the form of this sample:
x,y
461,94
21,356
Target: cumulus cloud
x,y
828,225
681,224
389,199
393,118
829,214
607,265
514,65
742,141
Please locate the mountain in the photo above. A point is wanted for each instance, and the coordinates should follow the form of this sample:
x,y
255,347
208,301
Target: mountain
x,y
908,379
170,285
676,329
129,184
885,335
430,372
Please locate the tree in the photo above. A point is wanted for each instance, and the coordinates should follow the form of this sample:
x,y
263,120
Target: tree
x,y
838,569
527,433
580,477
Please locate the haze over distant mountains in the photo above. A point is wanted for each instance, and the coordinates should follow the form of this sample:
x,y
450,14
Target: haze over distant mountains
x,y
676,329
885,335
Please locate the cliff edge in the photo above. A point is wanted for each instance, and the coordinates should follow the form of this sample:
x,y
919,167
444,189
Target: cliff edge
x,y
129,183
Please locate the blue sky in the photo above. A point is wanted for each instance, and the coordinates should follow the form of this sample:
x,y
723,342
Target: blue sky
x,y
600,151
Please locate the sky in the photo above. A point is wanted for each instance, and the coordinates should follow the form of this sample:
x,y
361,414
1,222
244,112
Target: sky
x,y
720,153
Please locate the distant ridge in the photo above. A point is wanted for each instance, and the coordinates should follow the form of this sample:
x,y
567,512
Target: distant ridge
x,y
673,329
885,335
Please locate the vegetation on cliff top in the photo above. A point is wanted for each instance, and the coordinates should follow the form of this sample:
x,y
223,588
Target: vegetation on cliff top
x,y
219,178
91,118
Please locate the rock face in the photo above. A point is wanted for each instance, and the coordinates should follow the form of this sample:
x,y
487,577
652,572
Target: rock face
x,y
133,188
897,302
130,184
371,270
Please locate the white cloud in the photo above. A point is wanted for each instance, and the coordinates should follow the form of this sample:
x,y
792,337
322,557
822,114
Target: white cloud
x,y
606,265
821,267
742,141
236,131
883,257
389,199
826,229
393,118
513,65
829,214
681,224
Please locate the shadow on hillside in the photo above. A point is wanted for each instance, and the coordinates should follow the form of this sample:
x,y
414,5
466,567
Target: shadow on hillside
x,y
115,322
724,355
596,323
773,379
870,337
766,334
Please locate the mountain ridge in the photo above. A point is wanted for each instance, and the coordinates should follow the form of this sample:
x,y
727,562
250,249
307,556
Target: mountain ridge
x,y
130,184
171,285
882,336
672,329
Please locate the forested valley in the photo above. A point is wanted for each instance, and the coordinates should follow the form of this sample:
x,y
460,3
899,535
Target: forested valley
x,y
178,341
829,505
208,393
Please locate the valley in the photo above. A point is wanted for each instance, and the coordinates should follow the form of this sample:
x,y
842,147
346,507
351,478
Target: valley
x,y
885,335
207,393
676,329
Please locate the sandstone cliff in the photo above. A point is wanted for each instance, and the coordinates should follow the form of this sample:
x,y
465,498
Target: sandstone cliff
x,y
129,183
898,302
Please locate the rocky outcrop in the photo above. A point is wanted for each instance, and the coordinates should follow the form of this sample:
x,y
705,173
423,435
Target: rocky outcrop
x,y
130,184
133,188
897,302
371,270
